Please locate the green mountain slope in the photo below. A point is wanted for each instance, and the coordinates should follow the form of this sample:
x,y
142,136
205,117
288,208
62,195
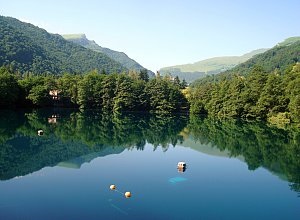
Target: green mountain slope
x,y
120,57
28,48
289,41
191,72
279,57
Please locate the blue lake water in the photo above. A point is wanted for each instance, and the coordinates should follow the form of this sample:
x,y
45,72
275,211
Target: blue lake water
x,y
66,173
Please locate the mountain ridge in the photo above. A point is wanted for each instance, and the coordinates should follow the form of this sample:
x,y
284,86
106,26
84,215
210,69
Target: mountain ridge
x,y
208,66
120,57
30,49
279,58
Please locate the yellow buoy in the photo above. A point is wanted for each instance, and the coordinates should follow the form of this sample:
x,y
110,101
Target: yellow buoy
x,y
112,187
127,194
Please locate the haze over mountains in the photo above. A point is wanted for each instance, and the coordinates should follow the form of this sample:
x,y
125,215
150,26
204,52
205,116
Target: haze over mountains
x,y
280,56
215,65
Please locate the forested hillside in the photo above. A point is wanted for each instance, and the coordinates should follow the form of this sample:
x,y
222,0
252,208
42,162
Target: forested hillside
x,y
264,87
30,49
279,58
120,57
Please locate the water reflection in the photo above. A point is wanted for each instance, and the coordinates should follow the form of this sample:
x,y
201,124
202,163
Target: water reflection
x,y
72,138
276,149
79,135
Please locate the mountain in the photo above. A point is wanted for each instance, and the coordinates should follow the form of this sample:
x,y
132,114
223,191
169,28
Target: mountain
x,y
191,72
289,41
28,48
120,57
279,58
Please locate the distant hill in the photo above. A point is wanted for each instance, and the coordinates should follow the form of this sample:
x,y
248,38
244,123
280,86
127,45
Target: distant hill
x,y
191,72
28,48
280,57
120,57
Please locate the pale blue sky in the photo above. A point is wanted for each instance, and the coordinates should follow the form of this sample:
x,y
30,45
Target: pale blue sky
x,y
159,33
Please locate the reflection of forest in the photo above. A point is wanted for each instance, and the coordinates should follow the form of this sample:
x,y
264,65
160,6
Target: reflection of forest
x,y
77,137
276,149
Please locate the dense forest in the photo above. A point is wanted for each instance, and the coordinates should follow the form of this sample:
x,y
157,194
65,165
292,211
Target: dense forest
x,y
29,49
273,96
131,91
259,95
264,87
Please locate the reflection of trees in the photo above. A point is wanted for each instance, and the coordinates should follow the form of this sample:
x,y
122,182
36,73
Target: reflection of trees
x,y
276,149
128,130
81,133
76,134
9,122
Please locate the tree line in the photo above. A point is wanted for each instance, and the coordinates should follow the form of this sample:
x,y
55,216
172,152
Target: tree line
x,y
270,96
132,91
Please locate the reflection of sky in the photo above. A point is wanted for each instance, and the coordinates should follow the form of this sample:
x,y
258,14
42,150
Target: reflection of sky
x,y
215,187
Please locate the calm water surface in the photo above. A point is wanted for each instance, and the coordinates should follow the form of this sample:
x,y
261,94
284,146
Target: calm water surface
x,y
235,170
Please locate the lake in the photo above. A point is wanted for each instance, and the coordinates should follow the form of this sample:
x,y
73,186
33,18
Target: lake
x,y
235,169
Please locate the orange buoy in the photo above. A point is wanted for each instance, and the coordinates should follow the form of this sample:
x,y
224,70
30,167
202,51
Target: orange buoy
x,y
127,194
112,187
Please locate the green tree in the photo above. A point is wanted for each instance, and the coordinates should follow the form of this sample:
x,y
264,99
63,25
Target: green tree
x,y
254,85
292,92
9,88
165,97
143,75
108,86
68,86
234,102
89,90
272,99
183,84
199,98
177,82
39,95
125,97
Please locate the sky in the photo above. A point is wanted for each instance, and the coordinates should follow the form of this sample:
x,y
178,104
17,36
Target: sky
x,y
161,33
